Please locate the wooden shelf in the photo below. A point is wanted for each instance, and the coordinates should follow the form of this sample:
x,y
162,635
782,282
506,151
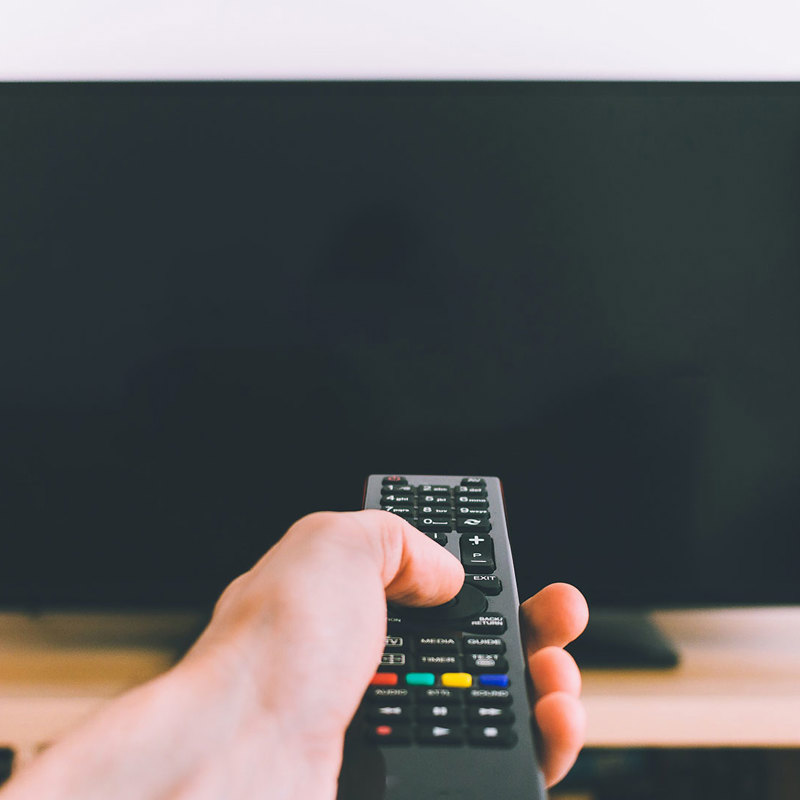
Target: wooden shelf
x,y
738,684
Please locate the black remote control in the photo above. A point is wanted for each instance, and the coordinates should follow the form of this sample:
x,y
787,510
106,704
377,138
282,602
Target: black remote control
x,y
447,713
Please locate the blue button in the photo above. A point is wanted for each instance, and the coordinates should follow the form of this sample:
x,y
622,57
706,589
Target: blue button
x,y
494,680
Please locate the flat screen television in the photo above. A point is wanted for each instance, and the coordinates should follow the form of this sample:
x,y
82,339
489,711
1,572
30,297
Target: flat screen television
x,y
223,304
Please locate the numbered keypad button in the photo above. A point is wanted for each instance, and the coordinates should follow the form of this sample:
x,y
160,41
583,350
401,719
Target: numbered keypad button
x,y
404,511
396,499
471,502
427,488
396,489
437,512
471,491
466,511
433,500
431,524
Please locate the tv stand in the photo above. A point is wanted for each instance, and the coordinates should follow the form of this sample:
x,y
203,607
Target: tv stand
x,y
623,640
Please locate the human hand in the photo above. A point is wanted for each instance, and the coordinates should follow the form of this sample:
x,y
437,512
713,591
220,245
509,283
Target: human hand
x,y
321,591
263,699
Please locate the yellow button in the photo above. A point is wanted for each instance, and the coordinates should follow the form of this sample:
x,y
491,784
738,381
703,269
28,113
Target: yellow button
x,y
457,680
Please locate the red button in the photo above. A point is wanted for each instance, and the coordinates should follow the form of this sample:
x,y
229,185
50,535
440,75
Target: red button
x,y
383,730
384,679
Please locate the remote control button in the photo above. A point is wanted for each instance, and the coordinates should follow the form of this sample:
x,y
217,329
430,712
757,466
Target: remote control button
x,y
457,680
405,511
478,562
439,662
477,541
490,714
473,482
439,695
437,644
483,697
471,491
420,679
434,511
392,642
485,662
390,734
384,679
488,584
477,553
392,489
433,500
397,491
396,498
399,479
495,735
487,623
427,488
439,734
439,538
500,681
455,613
388,694
440,713
393,660
431,524
473,525
465,511
471,502
389,714
483,644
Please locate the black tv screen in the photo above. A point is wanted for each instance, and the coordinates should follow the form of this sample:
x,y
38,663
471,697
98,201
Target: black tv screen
x,y
222,305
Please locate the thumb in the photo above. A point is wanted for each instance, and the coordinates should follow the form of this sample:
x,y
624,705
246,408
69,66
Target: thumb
x,y
416,571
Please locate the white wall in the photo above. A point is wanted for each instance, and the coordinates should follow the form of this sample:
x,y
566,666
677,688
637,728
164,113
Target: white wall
x,y
90,39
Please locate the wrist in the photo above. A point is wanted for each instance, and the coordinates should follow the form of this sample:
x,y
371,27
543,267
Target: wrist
x,y
193,728
249,685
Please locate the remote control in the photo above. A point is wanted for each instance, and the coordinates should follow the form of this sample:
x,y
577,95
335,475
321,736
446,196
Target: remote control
x,y
447,712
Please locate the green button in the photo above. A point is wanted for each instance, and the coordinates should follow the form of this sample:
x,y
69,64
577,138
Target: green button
x,y
420,679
